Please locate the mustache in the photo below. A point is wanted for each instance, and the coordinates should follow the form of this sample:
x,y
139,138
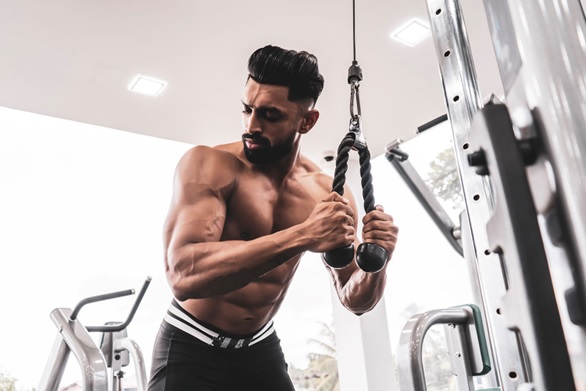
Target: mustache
x,y
256,138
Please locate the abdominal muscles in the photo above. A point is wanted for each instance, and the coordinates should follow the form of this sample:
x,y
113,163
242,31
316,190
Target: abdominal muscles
x,y
247,309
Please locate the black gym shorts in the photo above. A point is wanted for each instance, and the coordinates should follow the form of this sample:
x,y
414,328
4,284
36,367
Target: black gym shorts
x,y
191,356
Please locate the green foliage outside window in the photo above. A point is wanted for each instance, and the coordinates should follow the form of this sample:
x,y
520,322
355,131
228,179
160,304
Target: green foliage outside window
x,y
321,373
443,178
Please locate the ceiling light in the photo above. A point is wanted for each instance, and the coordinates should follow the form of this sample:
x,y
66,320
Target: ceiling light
x,y
147,85
412,33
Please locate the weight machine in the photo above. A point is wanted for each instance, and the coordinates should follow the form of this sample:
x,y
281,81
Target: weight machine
x,y
101,366
522,166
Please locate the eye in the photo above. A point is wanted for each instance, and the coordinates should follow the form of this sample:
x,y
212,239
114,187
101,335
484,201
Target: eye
x,y
272,116
246,110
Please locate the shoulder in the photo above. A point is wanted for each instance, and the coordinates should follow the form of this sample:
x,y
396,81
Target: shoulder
x,y
313,172
212,167
204,157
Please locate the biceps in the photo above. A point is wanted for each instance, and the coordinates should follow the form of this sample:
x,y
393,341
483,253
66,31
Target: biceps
x,y
200,221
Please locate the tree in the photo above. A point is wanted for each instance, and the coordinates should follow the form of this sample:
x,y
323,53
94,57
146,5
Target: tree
x,y
444,179
321,373
7,382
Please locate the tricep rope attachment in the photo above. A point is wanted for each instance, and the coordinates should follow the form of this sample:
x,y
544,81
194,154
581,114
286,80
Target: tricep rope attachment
x,y
369,256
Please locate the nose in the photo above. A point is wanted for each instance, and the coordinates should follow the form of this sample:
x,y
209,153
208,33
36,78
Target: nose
x,y
251,122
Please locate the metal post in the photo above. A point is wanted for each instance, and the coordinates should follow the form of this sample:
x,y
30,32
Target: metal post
x,y
89,356
463,101
137,358
55,367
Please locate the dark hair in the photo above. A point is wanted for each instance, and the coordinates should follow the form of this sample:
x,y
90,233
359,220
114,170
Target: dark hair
x,y
296,70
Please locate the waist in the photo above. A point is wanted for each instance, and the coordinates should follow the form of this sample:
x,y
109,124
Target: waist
x,y
213,336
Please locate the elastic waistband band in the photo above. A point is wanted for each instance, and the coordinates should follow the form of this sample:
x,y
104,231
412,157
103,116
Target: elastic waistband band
x,y
178,317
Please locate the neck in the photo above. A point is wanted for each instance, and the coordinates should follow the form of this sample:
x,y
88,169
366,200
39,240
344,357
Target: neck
x,y
283,167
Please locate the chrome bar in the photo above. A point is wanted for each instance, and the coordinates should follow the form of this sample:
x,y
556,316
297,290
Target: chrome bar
x,y
89,356
467,349
409,353
463,101
137,358
55,367
460,364
490,380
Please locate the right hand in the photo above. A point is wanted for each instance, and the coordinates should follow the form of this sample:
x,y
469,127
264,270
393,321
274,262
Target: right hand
x,y
331,224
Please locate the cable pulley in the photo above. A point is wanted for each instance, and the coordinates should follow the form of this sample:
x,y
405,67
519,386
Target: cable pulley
x,y
370,257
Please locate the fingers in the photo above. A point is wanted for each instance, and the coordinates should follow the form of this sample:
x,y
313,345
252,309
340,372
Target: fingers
x,y
340,204
380,229
332,223
375,215
377,220
342,216
334,196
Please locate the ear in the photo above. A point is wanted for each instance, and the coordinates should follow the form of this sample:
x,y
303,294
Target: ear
x,y
309,120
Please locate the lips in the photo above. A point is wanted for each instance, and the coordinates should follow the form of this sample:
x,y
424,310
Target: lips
x,y
255,143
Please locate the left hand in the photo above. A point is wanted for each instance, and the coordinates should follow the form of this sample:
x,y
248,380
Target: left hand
x,y
379,229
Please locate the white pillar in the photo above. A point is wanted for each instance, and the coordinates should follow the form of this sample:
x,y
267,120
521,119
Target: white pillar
x,y
363,349
363,346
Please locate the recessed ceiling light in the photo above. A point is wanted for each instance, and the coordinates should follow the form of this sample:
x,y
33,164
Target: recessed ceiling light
x,y
146,85
412,33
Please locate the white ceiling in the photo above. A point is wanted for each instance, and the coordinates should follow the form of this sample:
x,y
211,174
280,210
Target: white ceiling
x,y
74,59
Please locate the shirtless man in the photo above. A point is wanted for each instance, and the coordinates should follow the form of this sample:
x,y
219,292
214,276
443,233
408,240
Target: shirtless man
x,y
241,216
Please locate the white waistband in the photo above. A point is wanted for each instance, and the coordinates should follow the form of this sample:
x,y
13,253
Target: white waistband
x,y
182,321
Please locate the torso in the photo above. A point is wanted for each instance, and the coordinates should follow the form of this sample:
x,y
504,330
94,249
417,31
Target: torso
x,y
257,207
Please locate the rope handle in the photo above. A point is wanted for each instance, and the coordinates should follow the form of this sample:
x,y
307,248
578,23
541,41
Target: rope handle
x,y
370,257
347,144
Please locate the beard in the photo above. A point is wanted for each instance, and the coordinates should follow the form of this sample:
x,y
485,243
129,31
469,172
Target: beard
x,y
266,153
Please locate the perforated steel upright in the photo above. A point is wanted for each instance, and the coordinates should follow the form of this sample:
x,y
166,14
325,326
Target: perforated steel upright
x,y
463,100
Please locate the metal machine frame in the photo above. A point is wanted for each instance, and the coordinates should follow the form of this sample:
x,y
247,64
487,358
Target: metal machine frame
x,y
101,366
522,167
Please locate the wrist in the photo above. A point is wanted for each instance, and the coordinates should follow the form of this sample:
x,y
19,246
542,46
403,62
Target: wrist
x,y
300,238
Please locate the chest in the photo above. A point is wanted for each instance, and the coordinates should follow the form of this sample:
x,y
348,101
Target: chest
x,y
258,207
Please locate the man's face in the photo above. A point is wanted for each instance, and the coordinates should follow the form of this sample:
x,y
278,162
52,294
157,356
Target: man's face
x,y
271,122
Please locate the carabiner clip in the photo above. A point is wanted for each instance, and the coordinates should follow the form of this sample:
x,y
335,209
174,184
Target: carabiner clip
x,y
355,118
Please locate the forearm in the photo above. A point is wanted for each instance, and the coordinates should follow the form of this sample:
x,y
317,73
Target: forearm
x,y
363,291
206,269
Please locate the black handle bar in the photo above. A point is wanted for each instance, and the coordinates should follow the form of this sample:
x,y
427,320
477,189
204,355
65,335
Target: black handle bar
x,y
108,296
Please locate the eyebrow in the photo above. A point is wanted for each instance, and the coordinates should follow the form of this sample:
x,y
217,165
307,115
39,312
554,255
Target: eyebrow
x,y
273,109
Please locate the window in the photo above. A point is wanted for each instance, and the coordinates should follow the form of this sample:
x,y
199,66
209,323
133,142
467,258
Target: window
x,y
426,273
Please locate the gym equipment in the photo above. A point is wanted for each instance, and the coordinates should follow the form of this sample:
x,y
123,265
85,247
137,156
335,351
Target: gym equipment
x,y
466,344
101,366
370,257
523,172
